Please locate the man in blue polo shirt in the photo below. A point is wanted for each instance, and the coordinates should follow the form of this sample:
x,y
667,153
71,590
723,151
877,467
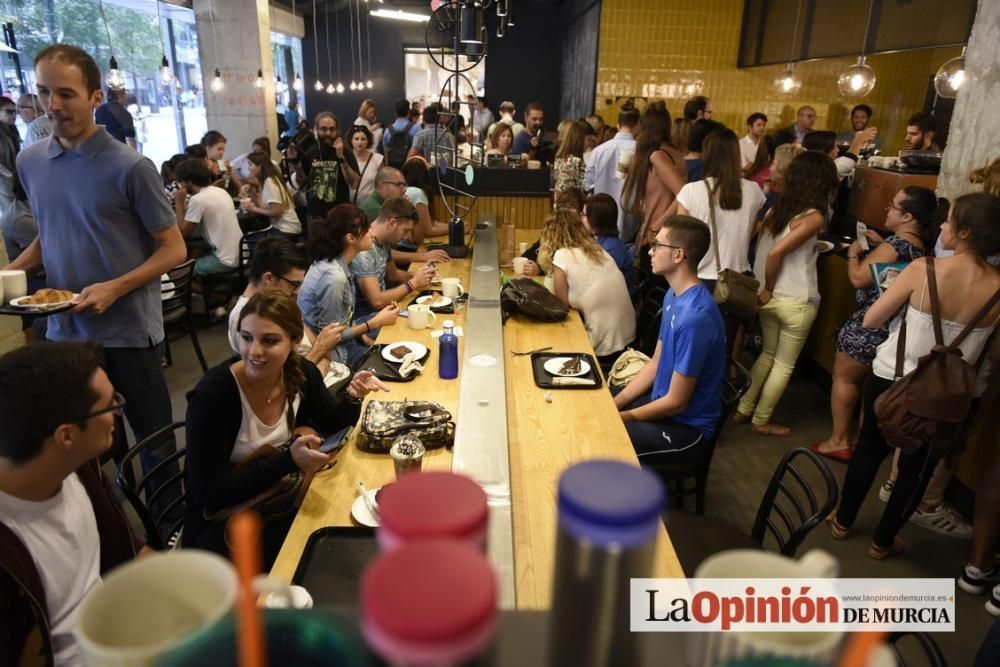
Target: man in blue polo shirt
x,y
673,403
105,231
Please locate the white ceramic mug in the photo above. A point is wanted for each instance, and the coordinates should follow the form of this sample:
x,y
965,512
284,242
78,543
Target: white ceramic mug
x,y
452,287
518,263
150,606
421,316
705,649
15,284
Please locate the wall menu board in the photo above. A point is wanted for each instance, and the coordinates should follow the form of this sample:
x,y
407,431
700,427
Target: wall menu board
x,y
771,35
579,58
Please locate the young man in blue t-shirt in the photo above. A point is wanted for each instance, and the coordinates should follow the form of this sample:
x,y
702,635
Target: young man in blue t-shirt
x,y
672,405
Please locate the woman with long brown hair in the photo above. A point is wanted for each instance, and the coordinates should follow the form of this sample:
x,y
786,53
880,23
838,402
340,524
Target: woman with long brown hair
x,y
657,173
568,166
587,278
273,201
269,396
789,291
501,140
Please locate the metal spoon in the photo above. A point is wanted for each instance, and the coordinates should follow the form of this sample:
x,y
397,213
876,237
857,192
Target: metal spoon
x,y
530,352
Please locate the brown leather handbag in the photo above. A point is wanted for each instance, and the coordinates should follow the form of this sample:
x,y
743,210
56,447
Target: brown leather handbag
x,y
735,292
930,405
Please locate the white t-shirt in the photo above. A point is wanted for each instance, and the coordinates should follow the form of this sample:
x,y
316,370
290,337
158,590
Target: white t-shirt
x,y
734,227
748,150
598,291
367,186
289,221
61,536
213,209
254,433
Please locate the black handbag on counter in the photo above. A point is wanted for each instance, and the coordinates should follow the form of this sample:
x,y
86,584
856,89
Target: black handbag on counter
x,y
528,298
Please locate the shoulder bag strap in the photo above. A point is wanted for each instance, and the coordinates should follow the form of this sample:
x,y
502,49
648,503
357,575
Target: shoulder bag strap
x,y
901,343
980,316
936,304
715,234
360,177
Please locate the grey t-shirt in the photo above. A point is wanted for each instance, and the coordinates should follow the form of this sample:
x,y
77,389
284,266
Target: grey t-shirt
x,y
424,141
97,209
370,263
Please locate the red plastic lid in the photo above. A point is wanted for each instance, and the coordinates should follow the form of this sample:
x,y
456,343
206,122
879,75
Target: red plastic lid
x,y
429,591
433,504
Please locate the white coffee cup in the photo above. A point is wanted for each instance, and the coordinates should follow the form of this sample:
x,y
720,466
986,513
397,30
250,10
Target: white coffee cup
x,y
421,316
15,284
705,649
625,156
150,606
519,263
452,287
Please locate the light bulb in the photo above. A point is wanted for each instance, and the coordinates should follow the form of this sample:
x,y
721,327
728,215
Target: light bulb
x,y
115,79
318,85
950,77
354,86
788,82
330,89
217,83
297,83
166,74
340,87
259,83
369,85
857,80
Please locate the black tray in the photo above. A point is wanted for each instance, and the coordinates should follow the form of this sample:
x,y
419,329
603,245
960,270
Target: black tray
x,y
21,312
332,562
544,380
383,369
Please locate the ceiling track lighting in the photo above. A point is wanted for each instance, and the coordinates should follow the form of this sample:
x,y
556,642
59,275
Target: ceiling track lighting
x,y
859,79
951,76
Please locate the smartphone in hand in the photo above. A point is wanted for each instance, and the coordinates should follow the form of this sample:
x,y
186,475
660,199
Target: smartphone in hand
x,y
337,440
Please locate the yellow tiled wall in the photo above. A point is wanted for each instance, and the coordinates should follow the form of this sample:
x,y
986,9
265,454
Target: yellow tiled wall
x,y
673,49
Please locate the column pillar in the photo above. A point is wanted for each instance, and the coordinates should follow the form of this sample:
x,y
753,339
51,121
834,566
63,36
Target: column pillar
x,y
974,137
239,45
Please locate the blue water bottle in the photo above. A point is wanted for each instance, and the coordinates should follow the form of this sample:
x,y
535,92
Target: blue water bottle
x,y
448,352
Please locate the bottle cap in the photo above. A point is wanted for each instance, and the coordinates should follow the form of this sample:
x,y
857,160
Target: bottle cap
x,y
449,324
609,502
432,505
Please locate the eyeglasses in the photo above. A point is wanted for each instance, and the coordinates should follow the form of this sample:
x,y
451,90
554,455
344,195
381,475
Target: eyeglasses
x,y
117,406
296,284
657,244
893,206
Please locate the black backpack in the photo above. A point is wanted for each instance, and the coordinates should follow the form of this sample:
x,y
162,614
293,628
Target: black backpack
x,y
399,146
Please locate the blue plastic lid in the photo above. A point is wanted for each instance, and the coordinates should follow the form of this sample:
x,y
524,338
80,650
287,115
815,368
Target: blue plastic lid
x,y
607,501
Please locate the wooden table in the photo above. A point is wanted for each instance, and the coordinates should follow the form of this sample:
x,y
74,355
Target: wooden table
x,y
328,502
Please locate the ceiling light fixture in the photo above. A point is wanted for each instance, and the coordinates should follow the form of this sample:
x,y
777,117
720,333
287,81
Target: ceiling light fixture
x,y
350,30
259,82
318,86
788,82
400,15
115,79
340,86
217,83
368,34
857,80
951,76
166,74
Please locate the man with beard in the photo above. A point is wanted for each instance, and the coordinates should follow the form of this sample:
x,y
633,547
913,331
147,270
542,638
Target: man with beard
x,y
326,170
920,131
861,115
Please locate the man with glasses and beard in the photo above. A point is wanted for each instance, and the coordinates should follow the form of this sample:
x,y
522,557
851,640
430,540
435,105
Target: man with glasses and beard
x,y
326,169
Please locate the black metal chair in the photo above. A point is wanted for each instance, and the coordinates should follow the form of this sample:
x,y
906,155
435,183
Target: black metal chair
x,y
175,293
231,284
647,326
162,520
735,383
791,498
928,649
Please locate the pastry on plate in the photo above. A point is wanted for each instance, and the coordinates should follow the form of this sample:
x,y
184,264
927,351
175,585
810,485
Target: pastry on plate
x,y
46,296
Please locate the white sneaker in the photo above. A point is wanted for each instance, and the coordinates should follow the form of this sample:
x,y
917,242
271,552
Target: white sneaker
x,y
993,604
944,520
885,490
974,580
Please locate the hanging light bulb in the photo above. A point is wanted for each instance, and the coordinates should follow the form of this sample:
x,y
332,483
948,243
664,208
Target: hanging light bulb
x,y
115,79
788,82
217,83
166,74
340,87
318,86
354,86
857,80
369,85
950,77
331,88
259,83
297,83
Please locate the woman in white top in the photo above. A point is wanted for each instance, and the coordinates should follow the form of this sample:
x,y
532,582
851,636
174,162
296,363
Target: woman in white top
x,y
966,282
274,200
587,278
789,296
368,163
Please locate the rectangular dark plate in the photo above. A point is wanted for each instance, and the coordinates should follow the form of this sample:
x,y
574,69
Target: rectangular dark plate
x,y
332,562
25,312
544,380
384,370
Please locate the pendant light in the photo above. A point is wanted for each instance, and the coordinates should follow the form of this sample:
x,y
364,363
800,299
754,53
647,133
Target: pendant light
x,y
858,79
166,74
340,85
350,29
368,35
951,76
297,84
115,79
217,83
330,88
259,81
319,84
788,82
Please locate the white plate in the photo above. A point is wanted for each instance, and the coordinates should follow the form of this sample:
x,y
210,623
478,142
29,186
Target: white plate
x,y
442,301
824,246
19,303
554,365
420,350
361,513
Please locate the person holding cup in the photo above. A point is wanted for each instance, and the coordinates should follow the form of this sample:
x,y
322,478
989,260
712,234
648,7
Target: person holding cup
x,y
269,396
60,531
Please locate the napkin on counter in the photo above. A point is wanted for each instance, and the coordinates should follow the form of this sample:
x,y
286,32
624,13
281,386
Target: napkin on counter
x,y
410,365
458,331
572,381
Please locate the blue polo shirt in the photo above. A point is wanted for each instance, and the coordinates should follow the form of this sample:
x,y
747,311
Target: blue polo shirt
x,y
97,208
693,343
